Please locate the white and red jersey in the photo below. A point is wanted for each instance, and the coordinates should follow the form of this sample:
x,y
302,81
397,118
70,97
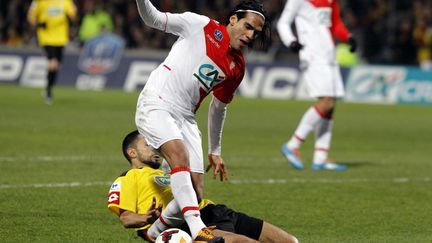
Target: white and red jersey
x,y
200,62
318,22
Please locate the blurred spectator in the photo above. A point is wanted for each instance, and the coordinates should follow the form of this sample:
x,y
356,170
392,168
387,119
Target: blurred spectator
x,y
423,33
95,21
404,50
14,39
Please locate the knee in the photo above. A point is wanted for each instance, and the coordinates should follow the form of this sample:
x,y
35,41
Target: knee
x,y
326,105
292,239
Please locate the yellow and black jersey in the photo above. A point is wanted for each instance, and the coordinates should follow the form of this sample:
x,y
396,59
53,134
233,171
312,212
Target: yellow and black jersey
x,y
134,191
52,20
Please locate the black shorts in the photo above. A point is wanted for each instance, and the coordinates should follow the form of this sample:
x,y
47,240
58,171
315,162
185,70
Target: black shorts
x,y
229,220
54,52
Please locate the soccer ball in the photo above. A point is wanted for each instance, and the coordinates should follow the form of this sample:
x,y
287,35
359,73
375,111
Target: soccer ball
x,y
173,235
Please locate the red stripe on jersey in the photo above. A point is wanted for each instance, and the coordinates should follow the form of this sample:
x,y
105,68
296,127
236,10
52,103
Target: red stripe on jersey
x,y
322,3
230,61
179,169
337,27
165,66
203,94
185,209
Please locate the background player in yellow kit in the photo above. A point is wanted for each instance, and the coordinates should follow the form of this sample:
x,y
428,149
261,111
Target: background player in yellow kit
x,y
51,19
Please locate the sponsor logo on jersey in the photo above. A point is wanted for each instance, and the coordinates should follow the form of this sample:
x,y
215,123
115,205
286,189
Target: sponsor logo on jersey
x,y
209,76
114,197
218,34
163,181
212,40
55,11
115,187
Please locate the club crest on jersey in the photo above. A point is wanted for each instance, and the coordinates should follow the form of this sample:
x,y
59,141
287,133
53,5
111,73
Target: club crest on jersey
x,y
209,76
218,34
163,181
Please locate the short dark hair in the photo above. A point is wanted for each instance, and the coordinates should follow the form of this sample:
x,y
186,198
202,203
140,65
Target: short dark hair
x,y
129,141
254,5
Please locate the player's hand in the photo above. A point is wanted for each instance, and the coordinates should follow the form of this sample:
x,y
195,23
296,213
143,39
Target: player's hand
x,y
353,43
295,46
153,212
216,162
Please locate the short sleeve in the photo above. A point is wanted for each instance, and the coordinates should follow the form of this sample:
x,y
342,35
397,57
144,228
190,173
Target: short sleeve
x,y
123,194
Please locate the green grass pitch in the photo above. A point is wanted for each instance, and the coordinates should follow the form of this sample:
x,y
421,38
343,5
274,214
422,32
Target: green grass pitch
x,y
56,163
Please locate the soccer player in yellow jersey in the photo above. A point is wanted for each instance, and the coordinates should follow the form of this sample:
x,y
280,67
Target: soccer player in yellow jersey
x,y
51,19
134,195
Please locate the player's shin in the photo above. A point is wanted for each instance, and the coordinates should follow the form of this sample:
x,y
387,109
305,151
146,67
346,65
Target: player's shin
x,y
171,217
184,194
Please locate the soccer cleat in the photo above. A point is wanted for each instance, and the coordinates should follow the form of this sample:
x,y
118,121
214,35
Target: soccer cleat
x,y
328,166
293,156
47,98
206,236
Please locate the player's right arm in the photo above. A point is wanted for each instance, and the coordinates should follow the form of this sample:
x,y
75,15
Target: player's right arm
x,y
286,19
31,14
130,219
184,24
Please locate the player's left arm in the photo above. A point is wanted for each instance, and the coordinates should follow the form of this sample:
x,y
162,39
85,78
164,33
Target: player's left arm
x,y
216,119
130,219
338,28
71,11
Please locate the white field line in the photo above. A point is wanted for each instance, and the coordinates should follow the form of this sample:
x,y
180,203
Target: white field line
x,y
332,181
56,185
399,180
49,158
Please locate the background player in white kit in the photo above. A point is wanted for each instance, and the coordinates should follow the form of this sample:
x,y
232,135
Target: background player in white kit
x,y
317,23
206,58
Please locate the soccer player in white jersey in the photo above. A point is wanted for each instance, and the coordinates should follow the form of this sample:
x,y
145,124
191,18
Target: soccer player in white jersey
x,y
207,58
318,23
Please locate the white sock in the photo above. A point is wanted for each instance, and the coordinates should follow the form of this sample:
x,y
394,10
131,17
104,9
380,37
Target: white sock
x,y
185,196
306,125
171,217
323,135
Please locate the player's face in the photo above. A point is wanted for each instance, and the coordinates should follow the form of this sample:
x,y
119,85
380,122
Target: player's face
x,y
146,154
243,31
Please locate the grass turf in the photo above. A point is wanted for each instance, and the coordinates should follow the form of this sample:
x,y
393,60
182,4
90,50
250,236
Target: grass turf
x,y
56,163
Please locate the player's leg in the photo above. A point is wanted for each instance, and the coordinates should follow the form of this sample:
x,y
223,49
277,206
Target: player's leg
x,y
273,234
170,217
291,149
193,142
54,55
232,237
330,89
176,154
307,124
163,130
